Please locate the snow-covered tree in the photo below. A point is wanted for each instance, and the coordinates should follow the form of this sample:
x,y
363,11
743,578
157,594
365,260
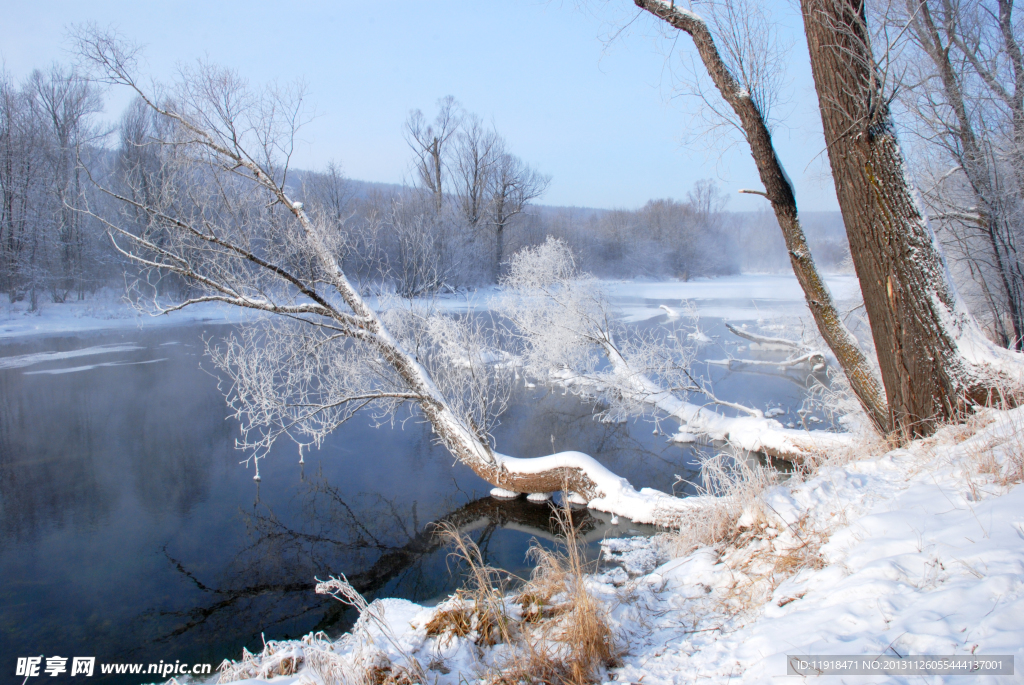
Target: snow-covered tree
x,y
737,48
318,351
569,335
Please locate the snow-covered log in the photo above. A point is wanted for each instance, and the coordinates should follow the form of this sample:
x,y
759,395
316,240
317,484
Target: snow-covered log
x,y
815,359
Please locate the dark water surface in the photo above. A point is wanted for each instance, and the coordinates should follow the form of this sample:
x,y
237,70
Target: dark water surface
x,y
129,531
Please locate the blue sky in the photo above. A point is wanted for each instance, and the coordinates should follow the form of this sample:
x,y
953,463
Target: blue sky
x,y
605,118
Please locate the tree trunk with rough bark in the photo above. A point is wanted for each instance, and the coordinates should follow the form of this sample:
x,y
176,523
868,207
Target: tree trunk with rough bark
x,y
916,319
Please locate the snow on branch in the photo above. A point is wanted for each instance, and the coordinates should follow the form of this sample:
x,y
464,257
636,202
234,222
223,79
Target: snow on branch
x,y
568,334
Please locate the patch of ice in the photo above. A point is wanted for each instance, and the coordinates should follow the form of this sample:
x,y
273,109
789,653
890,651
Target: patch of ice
x,y
24,360
90,367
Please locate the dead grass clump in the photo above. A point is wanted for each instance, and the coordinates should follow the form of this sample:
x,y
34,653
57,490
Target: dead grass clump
x,y
277,658
997,457
561,636
736,483
568,639
450,623
763,556
389,674
479,609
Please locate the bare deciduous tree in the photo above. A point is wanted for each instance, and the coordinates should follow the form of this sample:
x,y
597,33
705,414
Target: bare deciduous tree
x,y
476,154
964,114
429,142
513,185
238,237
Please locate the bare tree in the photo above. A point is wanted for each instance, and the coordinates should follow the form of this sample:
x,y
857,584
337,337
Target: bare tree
x,y
949,93
477,152
65,101
429,142
513,185
329,192
20,179
239,238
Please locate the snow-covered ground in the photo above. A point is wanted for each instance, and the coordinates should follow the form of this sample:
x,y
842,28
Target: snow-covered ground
x,y
107,311
919,551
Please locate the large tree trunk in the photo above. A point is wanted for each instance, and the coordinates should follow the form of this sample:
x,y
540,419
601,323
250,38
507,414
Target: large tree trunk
x,y
779,192
920,329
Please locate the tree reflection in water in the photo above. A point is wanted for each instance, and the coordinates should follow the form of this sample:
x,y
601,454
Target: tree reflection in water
x,y
377,543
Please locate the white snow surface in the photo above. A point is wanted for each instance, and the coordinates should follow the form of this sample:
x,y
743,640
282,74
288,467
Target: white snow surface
x,y
106,312
921,553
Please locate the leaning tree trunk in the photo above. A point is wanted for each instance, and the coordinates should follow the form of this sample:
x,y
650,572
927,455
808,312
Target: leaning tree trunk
x,y
916,319
779,192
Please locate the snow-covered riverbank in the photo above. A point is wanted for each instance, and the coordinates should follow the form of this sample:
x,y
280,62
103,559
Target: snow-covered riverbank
x,y
919,551
105,312
743,297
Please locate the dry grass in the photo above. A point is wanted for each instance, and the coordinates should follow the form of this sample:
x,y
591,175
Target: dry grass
x,y
561,635
478,609
737,484
276,659
993,459
750,538
763,556
568,621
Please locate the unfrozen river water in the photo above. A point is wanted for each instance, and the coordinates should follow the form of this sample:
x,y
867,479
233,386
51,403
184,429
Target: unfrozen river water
x,y
129,531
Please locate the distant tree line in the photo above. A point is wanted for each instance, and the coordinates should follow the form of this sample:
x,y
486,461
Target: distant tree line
x,y
470,206
47,247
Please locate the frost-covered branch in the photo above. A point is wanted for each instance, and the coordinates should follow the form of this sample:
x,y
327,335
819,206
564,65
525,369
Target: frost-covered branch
x,y
215,211
568,334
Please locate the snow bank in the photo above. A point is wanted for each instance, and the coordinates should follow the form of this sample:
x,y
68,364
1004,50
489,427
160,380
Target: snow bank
x,y
919,551
101,314
920,554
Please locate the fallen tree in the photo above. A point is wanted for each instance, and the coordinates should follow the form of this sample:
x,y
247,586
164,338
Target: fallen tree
x,y
219,215
800,353
568,335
